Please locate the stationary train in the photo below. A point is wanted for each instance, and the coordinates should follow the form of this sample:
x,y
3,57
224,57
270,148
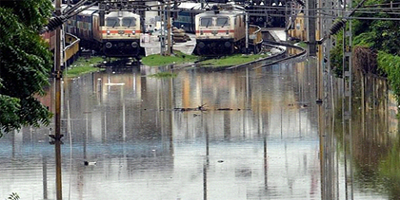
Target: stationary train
x,y
119,37
185,17
220,32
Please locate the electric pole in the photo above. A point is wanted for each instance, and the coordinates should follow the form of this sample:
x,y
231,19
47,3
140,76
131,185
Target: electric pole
x,y
312,46
169,50
57,135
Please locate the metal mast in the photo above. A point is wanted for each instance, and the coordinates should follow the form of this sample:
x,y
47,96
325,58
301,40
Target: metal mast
x,y
57,135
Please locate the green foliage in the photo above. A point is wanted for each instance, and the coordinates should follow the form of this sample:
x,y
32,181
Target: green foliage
x,y
13,196
378,34
159,60
25,63
163,75
236,59
366,39
302,44
390,64
82,66
337,58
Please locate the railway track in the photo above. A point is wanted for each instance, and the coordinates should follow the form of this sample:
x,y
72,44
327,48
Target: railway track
x,y
277,58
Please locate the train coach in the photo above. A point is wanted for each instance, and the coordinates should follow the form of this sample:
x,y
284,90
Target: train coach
x,y
220,32
119,37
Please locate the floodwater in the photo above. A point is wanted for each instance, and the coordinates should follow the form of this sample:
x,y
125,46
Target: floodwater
x,y
259,135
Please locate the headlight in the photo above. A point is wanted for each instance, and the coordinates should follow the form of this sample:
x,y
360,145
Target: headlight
x,y
108,45
134,44
201,45
133,32
108,32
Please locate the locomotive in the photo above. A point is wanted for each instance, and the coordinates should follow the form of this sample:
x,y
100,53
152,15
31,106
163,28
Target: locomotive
x,y
185,17
119,37
220,32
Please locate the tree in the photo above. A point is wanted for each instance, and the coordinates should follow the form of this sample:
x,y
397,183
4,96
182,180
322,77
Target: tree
x,y
25,63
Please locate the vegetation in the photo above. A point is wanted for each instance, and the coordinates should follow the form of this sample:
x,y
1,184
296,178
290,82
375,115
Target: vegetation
x,y
163,75
177,58
82,66
233,60
13,196
390,64
302,44
25,63
378,35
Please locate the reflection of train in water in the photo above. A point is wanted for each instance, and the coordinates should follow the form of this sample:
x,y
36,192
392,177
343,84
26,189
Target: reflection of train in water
x,y
220,32
119,37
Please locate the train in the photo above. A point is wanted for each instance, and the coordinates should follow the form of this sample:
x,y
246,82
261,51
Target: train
x,y
119,37
185,17
220,32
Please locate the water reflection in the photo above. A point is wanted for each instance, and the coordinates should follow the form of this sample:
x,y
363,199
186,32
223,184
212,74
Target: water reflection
x,y
375,139
267,147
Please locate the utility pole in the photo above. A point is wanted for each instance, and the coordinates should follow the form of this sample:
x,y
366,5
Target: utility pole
x,y
169,50
312,47
162,29
57,136
247,32
346,103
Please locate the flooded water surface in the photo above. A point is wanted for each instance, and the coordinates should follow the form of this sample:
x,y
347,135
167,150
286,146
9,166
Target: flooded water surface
x,y
251,133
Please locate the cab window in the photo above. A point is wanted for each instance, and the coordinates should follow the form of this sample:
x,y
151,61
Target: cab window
x,y
112,21
128,21
206,21
222,21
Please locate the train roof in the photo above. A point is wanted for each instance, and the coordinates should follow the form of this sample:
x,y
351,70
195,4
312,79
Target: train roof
x,y
94,10
124,13
197,6
221,13
89,11
190,6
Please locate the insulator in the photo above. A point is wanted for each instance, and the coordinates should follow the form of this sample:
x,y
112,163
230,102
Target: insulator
x,y
55,22
337,26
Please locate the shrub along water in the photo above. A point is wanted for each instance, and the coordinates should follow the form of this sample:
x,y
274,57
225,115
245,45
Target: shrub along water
x,y
390,64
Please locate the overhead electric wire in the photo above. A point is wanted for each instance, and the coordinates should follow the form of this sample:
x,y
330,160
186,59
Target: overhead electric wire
x,y
80,10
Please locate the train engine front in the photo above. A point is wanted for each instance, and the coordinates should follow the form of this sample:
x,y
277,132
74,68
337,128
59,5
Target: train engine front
x,y
220,32
120,35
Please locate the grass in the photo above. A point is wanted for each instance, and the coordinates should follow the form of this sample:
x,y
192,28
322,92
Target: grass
x,y
302,44
83,66
177,58
163,75
236,59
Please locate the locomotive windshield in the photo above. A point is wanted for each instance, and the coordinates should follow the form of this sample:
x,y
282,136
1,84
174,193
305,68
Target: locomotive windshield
x,y
206,21
222,21
112,21
129,21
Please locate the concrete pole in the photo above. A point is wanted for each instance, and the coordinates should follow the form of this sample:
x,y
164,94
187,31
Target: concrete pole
x,y
169,50
247,32
57,136
312,47
162,30
101,13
